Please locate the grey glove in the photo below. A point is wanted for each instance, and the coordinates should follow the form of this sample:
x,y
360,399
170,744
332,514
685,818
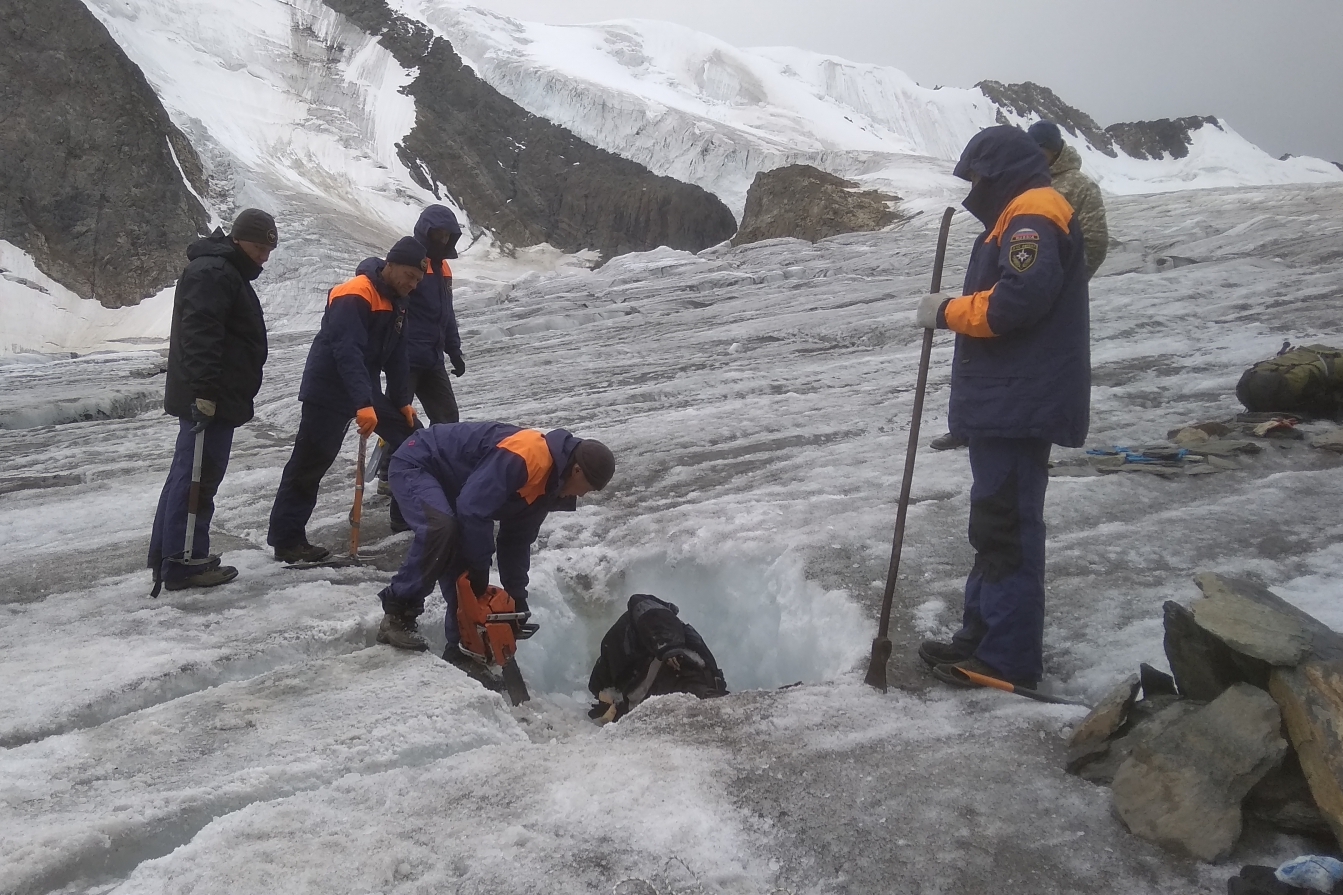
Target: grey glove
x,y
926,316
202,413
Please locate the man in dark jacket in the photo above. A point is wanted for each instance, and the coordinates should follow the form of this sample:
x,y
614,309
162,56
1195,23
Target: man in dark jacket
x,y
215,354
362,336
1020,381
649,651
454,482
431,325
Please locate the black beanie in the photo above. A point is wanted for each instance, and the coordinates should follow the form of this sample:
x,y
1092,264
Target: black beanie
x,y
254,225
1047,135
407,251
596,461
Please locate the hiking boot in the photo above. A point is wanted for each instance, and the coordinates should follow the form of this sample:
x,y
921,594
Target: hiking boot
x,y
402,632
453,655
384,488
304,552
947,442
950,673
211,577
935,653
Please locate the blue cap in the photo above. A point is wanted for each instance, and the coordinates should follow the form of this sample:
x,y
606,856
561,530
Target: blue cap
x,y
1047,135
407,251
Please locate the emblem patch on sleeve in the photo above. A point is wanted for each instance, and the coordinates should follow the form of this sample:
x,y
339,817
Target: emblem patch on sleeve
x,y
1022,255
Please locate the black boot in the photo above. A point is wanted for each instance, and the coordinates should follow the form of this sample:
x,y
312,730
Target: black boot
x,y
211,577
935,653
402,632
304,552
947,442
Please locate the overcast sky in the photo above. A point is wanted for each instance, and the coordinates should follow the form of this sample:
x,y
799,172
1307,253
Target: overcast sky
x,y
1274,70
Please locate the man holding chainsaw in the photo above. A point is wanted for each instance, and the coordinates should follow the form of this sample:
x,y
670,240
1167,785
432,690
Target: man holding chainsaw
x,y
362,336
1020,382
454,482
215,354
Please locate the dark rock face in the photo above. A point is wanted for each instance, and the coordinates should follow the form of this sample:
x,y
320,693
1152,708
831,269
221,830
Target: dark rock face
x,y
1203,665
806,203
88,186
522,177
1030,98
1156,139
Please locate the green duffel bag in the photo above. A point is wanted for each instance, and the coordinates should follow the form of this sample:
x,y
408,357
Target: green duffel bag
x,y
1306,380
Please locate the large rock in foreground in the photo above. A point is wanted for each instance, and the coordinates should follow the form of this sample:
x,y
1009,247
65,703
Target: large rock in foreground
x,y
1184,787
89,186
803,202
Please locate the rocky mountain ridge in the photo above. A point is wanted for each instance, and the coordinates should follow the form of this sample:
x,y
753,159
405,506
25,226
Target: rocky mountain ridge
x,y
94,181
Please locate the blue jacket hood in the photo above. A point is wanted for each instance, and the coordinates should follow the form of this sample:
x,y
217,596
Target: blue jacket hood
x,y
442,218
371,268
1008,163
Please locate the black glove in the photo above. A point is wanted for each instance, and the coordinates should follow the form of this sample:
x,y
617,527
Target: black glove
x,y
480,580
458,364
202,413
682,659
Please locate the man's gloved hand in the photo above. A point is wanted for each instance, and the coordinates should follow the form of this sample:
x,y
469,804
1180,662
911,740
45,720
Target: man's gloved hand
x,y
366,418
680,658
458,364
202,413
926,317
409,413
479,579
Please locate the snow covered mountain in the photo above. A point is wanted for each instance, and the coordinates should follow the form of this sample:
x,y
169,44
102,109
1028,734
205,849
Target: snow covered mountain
x,y
320,117
692,106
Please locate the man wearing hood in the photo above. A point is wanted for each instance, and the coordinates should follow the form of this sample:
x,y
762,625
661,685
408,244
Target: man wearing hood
x,y
454,482
1082,193
215,354
431,325
362,336
1020,381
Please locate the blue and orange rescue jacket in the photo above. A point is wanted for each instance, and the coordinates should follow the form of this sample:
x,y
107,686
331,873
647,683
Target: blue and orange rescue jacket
x,y
1023,347
494,472
431,323
362,336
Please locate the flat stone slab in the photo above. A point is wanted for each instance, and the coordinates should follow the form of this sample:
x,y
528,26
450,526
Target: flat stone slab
x,y
1106,718
1231,612
1183,788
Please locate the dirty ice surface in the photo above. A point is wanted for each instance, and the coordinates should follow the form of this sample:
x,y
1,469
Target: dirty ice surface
x,y
253,738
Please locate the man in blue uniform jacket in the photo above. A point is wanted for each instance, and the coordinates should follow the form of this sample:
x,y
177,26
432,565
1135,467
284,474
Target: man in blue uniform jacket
x,y
454,482
362,336
1021,381
431,323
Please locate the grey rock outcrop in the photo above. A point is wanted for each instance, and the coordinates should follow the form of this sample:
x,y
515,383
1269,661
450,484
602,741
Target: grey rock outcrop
x,y
524,178
1105,719
1204,666
89,186
1184,787
1157,139
1029,98
803,202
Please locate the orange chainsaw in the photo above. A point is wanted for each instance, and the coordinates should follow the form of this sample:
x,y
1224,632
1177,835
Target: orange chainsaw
x,y
490,628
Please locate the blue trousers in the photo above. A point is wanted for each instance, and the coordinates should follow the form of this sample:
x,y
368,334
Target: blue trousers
x,y
169,536
321,431
1004,618
434,556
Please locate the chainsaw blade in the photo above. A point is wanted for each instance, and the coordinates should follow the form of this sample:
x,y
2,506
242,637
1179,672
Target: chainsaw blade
x,y
516,686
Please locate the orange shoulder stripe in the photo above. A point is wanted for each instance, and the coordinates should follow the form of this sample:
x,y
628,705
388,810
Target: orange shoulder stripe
x,y
530,445
363,287
447,271
969,315
1044,201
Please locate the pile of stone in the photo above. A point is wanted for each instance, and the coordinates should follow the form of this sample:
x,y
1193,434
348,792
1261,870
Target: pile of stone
x,y
1249,722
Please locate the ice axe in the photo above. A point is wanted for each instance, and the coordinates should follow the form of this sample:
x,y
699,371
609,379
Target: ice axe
x,y
193,507
881,646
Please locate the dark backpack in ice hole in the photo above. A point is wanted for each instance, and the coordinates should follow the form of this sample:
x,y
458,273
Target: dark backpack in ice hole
x,y
649,651
1306,380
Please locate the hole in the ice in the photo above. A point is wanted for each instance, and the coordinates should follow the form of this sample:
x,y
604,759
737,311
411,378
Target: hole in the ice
x,y
767,624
